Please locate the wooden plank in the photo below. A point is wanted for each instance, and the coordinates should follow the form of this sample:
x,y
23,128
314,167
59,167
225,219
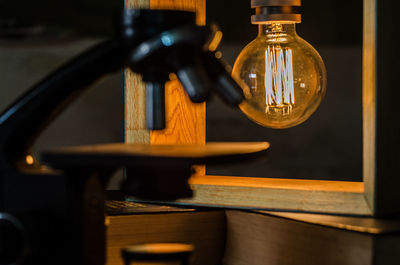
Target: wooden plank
x,y
135,102
387,179
185,121
369,66
380,107
256,239
369,98
368,225
165,156
189,5
135,97
318,196
204,229
137,3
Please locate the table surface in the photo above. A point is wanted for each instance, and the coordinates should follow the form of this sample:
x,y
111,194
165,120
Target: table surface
x,y
130,155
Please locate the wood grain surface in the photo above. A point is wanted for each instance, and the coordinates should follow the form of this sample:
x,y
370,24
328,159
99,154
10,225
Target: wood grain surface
x,y
204,229
121,155
369,98
135,97
368,225
135,102
316,196
380,108
256,239
174,150
199,6
387,128
137,3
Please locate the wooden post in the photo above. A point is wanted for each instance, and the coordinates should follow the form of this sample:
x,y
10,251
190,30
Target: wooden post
x,y
135,97
186,122
369,97
381,106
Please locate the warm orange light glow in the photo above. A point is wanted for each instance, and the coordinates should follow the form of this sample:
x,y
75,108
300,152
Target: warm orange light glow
x,y
172,76
106,221
215,41
29,160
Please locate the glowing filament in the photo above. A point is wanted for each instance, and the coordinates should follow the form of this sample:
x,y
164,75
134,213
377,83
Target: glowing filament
x,y
279,90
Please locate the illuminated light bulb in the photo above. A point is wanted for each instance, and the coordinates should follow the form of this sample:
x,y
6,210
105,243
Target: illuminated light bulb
x,y
283,77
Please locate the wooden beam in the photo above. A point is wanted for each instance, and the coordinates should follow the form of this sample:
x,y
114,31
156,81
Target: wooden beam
x,y
380,107
340,197
198,6
369,100
387,130
135,97
137,3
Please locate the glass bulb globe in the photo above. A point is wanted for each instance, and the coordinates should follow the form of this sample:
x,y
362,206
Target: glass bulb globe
x,y
282,76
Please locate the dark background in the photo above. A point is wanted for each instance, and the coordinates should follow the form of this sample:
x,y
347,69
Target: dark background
x,y
38,36
324,22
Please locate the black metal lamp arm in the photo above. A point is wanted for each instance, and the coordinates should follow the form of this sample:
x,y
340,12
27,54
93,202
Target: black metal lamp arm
x,y
24,120
153,43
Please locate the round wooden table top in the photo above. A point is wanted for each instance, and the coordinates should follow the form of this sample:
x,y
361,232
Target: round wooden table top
x,y
131,155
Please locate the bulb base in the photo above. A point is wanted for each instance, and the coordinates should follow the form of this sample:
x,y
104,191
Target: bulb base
x,y
270,11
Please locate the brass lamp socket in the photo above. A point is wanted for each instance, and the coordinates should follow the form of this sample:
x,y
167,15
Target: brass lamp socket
x,y
268,11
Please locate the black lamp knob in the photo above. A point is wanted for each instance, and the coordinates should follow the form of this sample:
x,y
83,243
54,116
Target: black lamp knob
x,y
155,105
158,252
